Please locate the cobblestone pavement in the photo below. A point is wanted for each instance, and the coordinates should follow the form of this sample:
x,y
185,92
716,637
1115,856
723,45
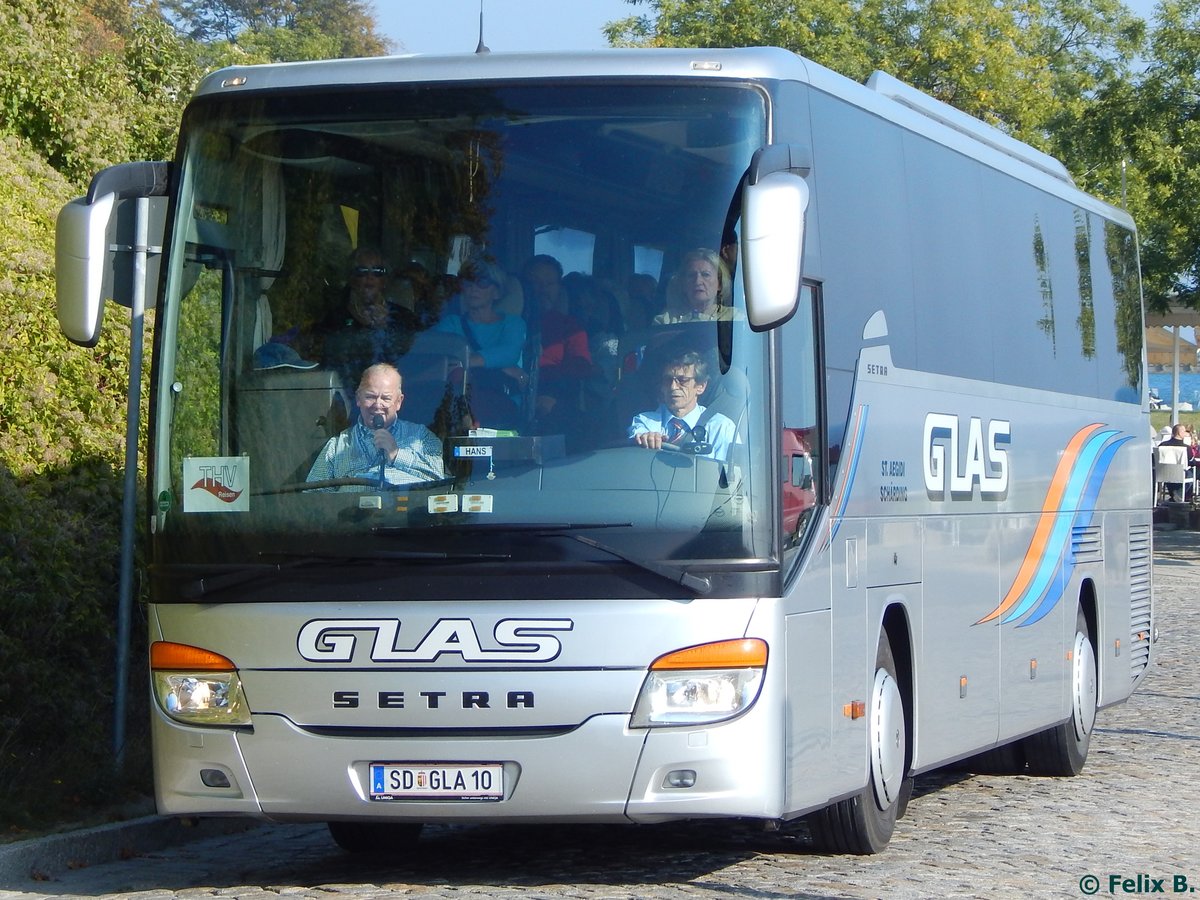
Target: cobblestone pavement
x,y
1133,814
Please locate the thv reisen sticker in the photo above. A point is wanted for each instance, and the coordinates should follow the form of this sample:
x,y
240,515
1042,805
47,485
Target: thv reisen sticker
x,y
216,484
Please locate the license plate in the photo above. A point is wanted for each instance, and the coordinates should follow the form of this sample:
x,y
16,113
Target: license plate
x,y
433,781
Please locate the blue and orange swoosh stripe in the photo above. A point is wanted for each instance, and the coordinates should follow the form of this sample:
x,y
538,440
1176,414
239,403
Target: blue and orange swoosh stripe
x,y
1070,503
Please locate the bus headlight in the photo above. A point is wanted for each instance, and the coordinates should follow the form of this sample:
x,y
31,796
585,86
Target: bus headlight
x,y
196,686
701,685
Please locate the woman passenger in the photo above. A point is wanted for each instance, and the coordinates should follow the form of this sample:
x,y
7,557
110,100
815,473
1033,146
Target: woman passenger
x,y
699,291
496,339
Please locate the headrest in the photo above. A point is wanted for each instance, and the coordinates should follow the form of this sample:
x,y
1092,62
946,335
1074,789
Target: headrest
x,y
733,383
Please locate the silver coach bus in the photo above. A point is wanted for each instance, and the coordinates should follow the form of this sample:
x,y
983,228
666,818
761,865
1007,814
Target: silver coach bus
x,y
925,539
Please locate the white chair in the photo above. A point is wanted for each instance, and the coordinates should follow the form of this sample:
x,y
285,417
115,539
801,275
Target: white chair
x,y
1171,468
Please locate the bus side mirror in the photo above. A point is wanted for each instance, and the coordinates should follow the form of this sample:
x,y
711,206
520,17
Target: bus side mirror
x,y
774,205
94,239
80,260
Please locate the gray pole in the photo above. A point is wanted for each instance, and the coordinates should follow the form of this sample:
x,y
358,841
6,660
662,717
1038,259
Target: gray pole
x,y
129,507
1175,376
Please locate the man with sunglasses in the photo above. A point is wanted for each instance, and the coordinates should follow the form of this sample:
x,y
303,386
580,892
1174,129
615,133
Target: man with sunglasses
x,y
373,324
680,420
370,276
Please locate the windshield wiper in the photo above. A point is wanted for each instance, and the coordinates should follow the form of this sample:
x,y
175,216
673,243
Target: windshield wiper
x,y
243,573
673,573
677,574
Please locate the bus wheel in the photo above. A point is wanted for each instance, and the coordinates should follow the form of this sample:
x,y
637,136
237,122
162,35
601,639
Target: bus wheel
x,y
1062,750
375,837
864,823
1007,759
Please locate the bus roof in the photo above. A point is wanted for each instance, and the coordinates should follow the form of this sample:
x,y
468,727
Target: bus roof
x,y
883,95
750,63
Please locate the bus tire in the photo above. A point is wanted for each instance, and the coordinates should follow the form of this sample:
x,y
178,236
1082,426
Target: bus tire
x,y
864,823
375,837
1007,759
1062,750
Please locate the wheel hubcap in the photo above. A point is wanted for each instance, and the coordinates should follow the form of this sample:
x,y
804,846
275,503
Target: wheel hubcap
x,y
887,739
1083,687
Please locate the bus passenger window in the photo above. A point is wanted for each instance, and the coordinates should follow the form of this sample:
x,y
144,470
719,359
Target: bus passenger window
x,y
573,248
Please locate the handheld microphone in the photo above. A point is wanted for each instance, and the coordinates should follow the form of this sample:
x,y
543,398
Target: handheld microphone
x,y
377,423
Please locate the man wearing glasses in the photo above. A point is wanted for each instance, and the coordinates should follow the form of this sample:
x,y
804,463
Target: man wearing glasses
x,y
372,325
380,449
680,421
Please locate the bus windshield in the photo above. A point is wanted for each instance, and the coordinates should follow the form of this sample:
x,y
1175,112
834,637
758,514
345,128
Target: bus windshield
x,y
514,309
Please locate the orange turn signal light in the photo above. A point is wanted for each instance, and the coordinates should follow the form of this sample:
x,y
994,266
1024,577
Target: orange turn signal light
x,y
181,657
740,653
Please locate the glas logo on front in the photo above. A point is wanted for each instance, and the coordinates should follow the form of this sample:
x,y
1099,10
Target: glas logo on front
x,y
516,640
952,469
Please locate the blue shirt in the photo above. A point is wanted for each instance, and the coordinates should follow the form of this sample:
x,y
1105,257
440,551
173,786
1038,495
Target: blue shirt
x,y
353,454
500,343
719,430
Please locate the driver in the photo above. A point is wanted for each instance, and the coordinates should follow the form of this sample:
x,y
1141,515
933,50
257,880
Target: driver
x,y
379,447
680,420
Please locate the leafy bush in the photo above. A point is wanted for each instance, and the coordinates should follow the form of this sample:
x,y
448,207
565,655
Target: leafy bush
x,y
85,96
62,429
58,566
83,84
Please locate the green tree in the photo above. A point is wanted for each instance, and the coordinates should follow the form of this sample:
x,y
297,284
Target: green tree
x,y
86,91
353,23
1154,124
163,72
210,21
821,30
1019,65
79,89
281,30
1061,74
982,58
62,414
267,45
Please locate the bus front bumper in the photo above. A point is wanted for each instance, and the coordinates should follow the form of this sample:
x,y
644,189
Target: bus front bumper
x,y
602,771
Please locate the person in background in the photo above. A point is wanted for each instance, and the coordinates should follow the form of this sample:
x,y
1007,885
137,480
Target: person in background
x,y
372,324
699,291
542,277
496,381
593,302
428,293
1180,438
380,446
564,358
678,418
1193,447
643,301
